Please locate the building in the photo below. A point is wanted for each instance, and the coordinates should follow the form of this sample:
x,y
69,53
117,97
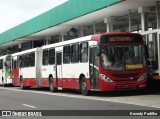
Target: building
x,y
77,18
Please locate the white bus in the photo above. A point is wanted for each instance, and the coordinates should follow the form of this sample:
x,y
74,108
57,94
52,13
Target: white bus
x,y
24,69
5,70
38,67
80,64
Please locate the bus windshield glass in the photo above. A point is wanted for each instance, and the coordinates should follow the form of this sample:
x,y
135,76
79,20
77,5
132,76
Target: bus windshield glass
x,y
122,57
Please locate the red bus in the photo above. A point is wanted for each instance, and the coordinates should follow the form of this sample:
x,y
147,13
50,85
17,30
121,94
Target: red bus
x,y
100,62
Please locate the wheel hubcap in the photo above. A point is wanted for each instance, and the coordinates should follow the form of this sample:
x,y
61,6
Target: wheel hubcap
x,y
84,86
51,86
21,83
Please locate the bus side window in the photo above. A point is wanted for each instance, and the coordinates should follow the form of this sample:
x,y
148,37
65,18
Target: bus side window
x,y
66,55
32,59
1,64
84,52
27,60
14,64
18,62
22,59
75,53
45,57
51,56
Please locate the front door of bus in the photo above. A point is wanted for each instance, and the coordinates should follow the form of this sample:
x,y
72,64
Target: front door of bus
x,y
93,59
59,69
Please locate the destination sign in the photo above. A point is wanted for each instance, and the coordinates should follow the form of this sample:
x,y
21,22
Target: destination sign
x,y
134,66
121,38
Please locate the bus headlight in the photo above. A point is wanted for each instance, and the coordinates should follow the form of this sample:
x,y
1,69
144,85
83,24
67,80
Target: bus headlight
x,y
143,77
105,78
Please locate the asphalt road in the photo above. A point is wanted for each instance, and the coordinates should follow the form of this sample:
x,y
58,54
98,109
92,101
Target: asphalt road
x,y
13,98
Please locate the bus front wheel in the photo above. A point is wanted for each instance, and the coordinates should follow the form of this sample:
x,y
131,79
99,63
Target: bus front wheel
x,y
84,89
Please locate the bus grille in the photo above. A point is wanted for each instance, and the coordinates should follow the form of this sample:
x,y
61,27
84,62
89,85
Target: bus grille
x,y
125,75
126,85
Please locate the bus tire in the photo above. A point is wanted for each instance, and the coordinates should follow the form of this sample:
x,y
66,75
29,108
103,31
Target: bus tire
x,y
84,88
21,84
51,84
4,85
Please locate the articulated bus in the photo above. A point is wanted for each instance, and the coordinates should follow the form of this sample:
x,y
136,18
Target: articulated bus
x,y
23,68
100,62
5,70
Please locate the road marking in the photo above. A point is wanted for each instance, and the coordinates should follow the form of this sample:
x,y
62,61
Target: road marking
x,y
28,105
123,100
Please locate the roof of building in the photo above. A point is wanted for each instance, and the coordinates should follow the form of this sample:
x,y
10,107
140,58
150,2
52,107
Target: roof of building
x,y
65,12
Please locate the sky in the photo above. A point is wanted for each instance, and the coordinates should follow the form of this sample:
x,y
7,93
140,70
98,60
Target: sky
x,y
15,12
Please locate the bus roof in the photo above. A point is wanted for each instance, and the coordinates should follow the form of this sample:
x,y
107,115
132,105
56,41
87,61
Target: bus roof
x,y
98,36
2,57
76,40
72,41
24,52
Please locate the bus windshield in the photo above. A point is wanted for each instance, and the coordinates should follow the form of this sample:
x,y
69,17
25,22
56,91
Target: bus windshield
x,y
123,57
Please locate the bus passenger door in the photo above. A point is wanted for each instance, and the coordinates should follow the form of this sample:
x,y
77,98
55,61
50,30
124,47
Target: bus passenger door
x,y
15,71
58,68
94,70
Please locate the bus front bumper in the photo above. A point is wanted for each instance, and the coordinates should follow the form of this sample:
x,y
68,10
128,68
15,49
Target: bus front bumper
x,y
122,85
